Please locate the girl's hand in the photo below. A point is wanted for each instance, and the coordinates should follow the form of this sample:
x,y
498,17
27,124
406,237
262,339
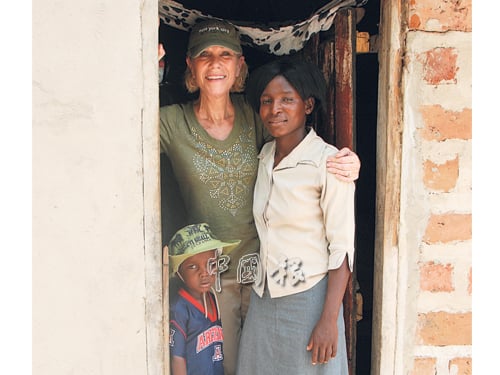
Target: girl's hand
x,y
323,342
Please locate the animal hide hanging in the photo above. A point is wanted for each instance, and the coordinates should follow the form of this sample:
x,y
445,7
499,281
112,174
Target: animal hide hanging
x,y
277,39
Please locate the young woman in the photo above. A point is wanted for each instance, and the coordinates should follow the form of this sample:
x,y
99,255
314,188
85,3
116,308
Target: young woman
x,y
305,221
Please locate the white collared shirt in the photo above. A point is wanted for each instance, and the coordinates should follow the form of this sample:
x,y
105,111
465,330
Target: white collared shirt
x,y
304,216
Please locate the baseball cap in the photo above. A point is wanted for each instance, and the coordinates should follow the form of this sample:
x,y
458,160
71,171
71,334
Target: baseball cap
x,y
194,239
213,33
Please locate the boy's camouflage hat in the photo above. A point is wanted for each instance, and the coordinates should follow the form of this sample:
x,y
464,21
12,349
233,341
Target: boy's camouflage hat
x,y
194,239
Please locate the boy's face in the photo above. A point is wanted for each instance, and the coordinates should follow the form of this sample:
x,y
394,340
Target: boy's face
x,y
195,273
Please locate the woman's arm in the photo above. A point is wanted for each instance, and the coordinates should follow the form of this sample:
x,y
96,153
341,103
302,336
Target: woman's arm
x,y
337,203
323,341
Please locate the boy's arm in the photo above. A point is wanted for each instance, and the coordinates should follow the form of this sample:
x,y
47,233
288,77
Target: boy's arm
x,y
178,365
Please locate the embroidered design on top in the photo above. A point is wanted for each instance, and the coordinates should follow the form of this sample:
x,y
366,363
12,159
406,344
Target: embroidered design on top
x,y
228,174
288,268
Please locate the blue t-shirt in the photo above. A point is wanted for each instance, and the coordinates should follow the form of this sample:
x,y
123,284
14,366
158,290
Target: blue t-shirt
x,y
193,336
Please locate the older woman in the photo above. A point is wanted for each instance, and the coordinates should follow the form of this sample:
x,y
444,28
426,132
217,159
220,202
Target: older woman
x,y
213,143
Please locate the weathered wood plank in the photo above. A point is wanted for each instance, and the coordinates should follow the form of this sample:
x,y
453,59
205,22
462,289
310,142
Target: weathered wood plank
x,y
344,111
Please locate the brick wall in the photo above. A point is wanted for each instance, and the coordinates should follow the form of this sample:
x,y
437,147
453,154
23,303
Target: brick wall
x,y
436,183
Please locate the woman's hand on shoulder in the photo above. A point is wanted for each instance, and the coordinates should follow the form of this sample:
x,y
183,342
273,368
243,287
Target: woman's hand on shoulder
x,y
345,165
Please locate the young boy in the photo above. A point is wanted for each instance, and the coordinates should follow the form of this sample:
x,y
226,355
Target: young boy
x,y
196,341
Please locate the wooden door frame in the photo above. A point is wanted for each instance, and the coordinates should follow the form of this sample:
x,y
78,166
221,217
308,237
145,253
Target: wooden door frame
x,y
387,345
385,348
345,124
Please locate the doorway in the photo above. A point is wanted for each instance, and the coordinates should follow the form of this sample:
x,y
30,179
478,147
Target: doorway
x,y
367,72
172,91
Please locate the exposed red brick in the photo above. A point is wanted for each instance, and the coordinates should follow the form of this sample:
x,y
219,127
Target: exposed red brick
x,y
443,329
435,277
440,65
446,15
424,366
448,227
441,177
414,21
441,124
461,366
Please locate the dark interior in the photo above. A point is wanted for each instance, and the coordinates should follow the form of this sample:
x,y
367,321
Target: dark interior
x,y
270,11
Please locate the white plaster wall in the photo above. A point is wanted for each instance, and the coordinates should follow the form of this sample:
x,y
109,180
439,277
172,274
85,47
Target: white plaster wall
x,y
96,274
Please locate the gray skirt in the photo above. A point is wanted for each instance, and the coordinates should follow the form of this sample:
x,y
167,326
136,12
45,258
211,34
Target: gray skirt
x,y
276,333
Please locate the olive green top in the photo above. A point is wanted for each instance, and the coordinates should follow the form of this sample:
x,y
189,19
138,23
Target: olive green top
x,y
216,178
